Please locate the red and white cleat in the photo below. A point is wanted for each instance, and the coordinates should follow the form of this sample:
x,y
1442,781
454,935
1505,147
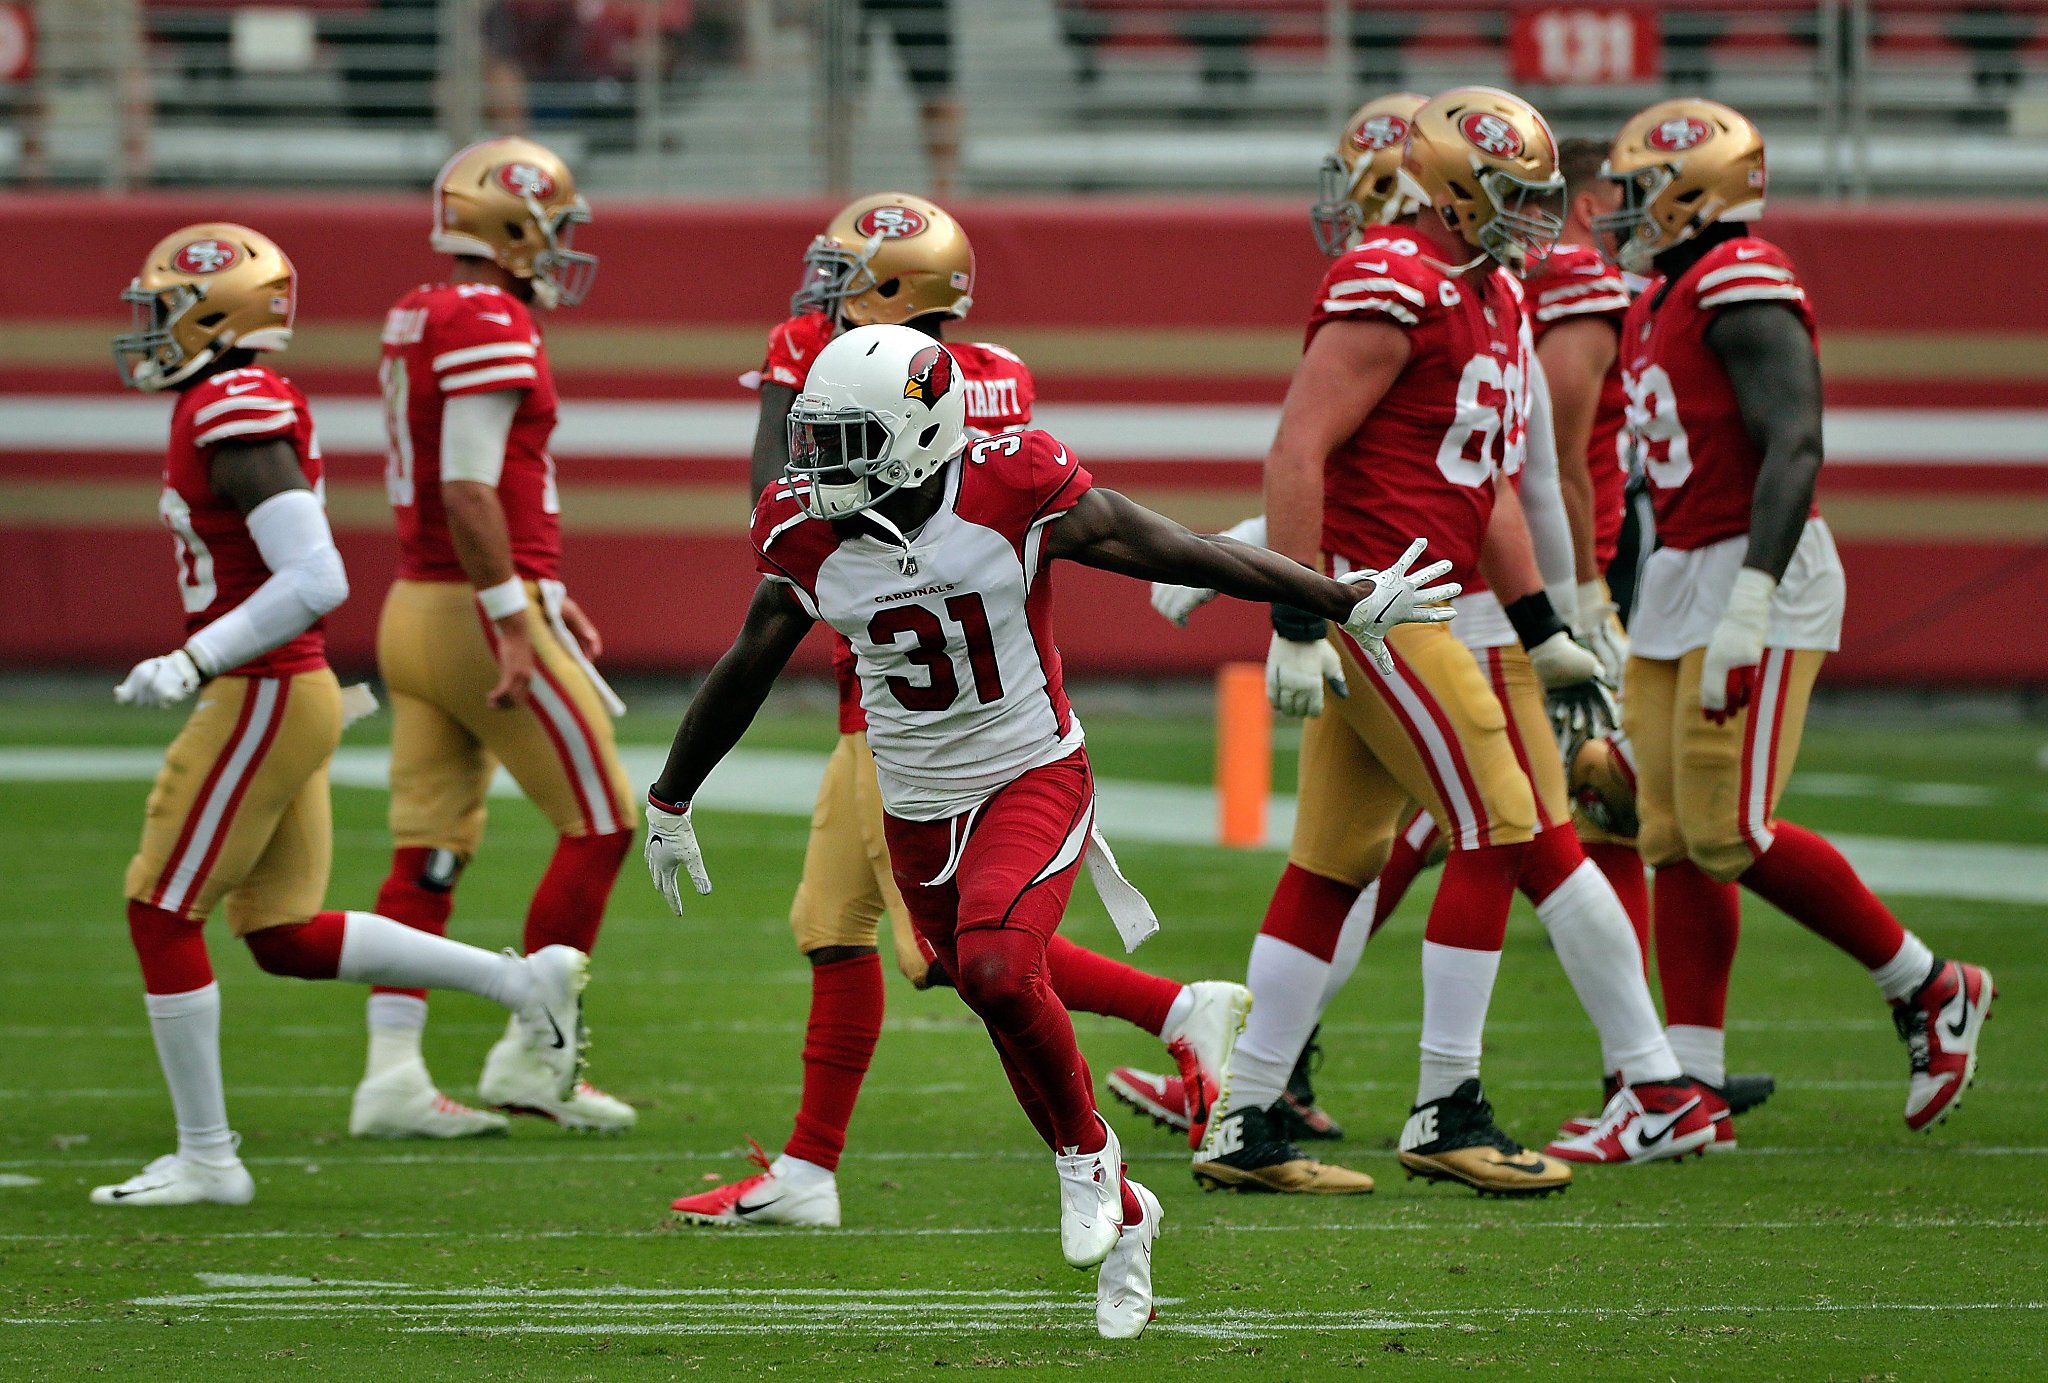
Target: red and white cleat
x,y
767,1198
1201,1044
1643,1123
1940,1024
1162,1099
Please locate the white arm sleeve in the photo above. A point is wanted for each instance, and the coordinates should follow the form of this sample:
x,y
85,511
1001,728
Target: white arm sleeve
x,y
473,432
1252,532
306,581
1543,502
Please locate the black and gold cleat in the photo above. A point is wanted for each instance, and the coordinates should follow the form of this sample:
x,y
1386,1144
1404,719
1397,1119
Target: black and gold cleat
x,y
1245,1151
1455,1139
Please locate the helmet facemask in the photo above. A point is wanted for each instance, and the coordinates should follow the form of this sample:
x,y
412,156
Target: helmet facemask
x,y
1638,238
836,453
1527,218
561,276
1335,220
149,357
833,274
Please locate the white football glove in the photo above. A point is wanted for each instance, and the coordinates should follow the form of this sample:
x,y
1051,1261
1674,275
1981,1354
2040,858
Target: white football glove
x,y
1728,677
1398,596
672,845
1598,627
1176,603
1561,663
1296,673
161,681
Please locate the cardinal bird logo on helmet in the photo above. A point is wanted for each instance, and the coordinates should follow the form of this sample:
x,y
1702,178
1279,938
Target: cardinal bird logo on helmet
x,y
931,376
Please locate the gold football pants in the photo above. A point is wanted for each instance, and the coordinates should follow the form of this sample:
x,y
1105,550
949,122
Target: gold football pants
x,y
847,884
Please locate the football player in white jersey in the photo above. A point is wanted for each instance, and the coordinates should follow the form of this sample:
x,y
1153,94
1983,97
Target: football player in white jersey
x,y
932,558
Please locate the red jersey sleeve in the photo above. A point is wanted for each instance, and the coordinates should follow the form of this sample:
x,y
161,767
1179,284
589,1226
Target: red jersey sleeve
x,y
481,342
1746,271
1000,390
1382,280
247,405
1576,281
792,346
1016,482
789,545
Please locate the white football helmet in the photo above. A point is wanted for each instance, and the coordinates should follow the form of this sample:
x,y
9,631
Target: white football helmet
x,y
884,408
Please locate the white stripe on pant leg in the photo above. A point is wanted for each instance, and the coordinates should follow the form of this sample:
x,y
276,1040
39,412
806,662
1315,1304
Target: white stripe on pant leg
x,y
1464,821
584,760
1070,849
212,812
1420,830
1757,803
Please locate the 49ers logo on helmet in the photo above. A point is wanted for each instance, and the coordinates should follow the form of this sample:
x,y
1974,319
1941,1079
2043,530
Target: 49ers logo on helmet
x,y
208,256
1491,134
931,376
1380,132
525,180
889,222
1678,134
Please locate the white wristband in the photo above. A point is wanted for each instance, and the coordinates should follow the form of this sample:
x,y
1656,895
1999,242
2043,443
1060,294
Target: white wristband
x,y
503,600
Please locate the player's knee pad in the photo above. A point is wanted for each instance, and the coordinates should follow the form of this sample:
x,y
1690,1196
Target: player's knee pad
x,y
1722,855
438,870
1660,843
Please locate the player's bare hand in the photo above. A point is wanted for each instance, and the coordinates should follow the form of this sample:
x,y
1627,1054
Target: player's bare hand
x,y
672,848
515,666
1398,596
582,630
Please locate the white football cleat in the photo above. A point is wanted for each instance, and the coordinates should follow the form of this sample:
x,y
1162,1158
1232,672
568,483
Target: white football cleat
x,y
177,1180
403,1103
516,1080
1091,1200
766,1198
552,1017
1201,1044
1123,1289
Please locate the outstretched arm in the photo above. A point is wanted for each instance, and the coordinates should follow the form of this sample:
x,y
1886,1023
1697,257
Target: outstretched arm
x,y
732,695
771,438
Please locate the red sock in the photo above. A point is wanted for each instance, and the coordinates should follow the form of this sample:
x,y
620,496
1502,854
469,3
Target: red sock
x,y
1699,920
416,893
309,950
1002,978
568,907
1624,870
1307,911
839,1044
1553,855
1088,982
1134,1210
1405,862
1807,879
172,950
1471,907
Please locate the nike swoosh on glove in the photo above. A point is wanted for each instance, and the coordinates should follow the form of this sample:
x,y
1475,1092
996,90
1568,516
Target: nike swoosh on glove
x,y
161,681
1398,596
1297,672
1728,677
672,847
1176,603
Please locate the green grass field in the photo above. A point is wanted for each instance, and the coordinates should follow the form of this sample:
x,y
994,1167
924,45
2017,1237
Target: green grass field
x,y
1835,1244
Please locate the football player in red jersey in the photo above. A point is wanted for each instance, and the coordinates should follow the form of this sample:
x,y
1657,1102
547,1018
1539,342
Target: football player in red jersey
x,y
487,659
895,259
1743,601
932,557
240,814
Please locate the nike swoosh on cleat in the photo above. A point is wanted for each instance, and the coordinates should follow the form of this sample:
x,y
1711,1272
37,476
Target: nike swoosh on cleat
x,y
1647,1139
1533,1168
121,1194
1957,1028
742,1209
560,1041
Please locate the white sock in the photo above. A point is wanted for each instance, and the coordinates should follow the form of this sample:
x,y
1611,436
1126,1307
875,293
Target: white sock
x,y
376,950
1905,972
799,1173
1601,957
1287,991
1351,941
1702,1052
1183,1005
187,1032
396,1022
1457,984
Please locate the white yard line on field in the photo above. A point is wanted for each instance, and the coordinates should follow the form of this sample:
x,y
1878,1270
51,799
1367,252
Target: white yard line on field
x,y
785,783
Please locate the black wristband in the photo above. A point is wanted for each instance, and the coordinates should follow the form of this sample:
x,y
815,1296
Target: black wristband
x,y
1534,619
1299,626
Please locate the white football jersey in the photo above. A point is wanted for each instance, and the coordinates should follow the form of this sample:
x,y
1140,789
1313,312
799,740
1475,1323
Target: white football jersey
x,y
952,636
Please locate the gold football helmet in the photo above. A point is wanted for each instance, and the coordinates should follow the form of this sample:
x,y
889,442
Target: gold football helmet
x,y
203,291
1682,166
1360,183
514,202
1487,162
885,260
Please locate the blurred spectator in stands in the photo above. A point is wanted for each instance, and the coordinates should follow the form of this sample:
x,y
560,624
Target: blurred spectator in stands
x,y
922,31
578,59
89,104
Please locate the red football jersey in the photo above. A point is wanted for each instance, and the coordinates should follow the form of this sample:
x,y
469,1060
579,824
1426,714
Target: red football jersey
x,y
219,565
444,339
1425,462
953,643
1700,460
1000,392
1574,282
